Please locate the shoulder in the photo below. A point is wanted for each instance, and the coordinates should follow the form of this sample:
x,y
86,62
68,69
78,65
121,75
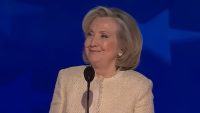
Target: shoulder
x,y
73,70
71,73
136,79
138,84
135,76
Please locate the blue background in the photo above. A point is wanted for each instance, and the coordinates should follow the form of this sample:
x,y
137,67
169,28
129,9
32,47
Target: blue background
x,y
40,37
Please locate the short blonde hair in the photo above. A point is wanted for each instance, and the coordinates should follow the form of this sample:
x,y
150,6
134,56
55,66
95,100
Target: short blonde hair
x,y
129,35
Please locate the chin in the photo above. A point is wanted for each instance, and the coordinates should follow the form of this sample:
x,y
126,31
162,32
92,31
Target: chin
x,y
94,61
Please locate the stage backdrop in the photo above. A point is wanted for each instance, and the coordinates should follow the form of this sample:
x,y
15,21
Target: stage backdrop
x,y
40,37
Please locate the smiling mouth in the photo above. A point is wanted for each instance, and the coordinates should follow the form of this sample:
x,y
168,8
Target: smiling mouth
x,y
95,51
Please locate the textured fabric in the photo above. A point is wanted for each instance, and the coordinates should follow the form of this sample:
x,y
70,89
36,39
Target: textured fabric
x,y
126,92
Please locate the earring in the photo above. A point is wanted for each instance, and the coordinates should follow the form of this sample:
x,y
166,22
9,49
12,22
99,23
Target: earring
x,y
120,54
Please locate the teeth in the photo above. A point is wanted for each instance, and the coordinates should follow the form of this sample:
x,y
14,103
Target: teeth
x,y
94,51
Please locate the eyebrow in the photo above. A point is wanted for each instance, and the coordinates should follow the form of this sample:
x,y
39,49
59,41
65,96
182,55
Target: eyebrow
x,y
101,31
105,32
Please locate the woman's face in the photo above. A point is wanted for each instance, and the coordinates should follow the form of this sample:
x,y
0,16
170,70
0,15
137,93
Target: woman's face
x,y
101,45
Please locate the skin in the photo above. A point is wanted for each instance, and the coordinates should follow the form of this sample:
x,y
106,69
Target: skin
x,y
101,45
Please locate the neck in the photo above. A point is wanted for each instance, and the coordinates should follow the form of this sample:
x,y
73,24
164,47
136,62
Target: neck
x,y
105,71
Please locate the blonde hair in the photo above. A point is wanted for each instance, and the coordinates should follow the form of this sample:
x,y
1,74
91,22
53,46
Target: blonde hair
x,y
129,35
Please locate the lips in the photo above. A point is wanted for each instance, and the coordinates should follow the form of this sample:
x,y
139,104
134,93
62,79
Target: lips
x,y
94,51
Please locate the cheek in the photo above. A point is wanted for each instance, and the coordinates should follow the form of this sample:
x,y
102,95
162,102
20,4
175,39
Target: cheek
x,y
112,46
86,47
86,43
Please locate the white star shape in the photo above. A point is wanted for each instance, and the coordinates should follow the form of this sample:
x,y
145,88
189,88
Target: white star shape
x,y
157,35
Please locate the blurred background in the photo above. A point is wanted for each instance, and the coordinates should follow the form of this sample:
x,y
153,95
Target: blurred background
x,y
40,37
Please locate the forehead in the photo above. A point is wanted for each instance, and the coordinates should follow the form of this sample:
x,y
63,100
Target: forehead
x,y
104,23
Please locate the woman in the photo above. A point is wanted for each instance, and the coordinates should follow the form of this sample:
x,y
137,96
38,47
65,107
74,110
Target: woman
x,y
112,47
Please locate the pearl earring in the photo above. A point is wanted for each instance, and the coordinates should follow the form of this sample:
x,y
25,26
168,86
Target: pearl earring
x,y
120,54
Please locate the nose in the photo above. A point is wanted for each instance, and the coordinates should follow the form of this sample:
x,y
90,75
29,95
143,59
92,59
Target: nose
x,y
94,42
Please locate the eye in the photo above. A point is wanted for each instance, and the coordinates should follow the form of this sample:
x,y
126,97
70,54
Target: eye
x,y
104,36
89,34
